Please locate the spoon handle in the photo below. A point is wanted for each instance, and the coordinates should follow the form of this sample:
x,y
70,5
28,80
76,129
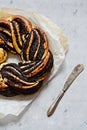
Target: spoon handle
x,y
76,71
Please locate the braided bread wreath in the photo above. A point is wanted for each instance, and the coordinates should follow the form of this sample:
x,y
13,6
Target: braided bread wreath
x,y
18,35
22,37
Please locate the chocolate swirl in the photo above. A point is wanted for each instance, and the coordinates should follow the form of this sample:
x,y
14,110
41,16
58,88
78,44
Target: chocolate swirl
x,y
19,35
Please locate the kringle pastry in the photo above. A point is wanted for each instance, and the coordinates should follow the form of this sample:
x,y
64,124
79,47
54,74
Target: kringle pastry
x,y
18,35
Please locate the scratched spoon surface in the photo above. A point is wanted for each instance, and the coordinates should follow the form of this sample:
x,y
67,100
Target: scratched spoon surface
x,y
76,71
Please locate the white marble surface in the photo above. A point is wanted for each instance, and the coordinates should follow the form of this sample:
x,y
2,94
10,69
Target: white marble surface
x,y
71,114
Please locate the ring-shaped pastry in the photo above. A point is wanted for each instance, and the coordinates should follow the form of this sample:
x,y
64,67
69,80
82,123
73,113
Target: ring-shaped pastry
x,y
19,35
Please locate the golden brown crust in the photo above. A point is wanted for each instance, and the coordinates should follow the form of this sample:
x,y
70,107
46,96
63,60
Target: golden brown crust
x,y
3,55
26,21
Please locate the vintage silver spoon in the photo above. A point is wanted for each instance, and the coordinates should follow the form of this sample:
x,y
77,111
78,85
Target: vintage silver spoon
x,y
76,71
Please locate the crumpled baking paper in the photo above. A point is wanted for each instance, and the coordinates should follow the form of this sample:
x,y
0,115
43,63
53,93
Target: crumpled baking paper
x,y
13,106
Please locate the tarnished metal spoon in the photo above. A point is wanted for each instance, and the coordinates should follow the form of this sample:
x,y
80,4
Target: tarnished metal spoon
x,y
76,71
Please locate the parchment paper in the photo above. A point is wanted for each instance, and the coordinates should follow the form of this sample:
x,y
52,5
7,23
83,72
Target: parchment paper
x,y
58,43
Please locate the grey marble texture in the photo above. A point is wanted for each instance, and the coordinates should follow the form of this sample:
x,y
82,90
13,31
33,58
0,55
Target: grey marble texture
x,y
71,114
